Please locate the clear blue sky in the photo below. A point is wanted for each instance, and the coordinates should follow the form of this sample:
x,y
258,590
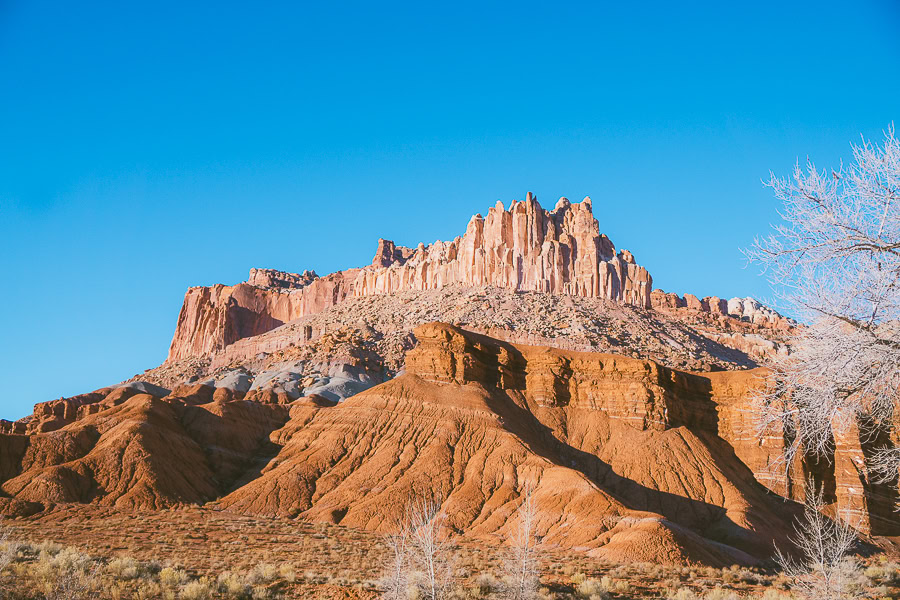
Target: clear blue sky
x,y
147,148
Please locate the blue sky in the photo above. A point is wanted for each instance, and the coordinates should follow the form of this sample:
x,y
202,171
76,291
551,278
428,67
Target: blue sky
x,y
148,148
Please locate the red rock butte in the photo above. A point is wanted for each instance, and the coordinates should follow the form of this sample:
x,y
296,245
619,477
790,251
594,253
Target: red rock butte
x,y
525,248
528,351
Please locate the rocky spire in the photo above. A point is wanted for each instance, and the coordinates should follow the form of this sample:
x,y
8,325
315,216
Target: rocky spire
x,y
525,248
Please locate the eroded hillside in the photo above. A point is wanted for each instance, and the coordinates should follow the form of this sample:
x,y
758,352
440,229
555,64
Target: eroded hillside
x,y
630,460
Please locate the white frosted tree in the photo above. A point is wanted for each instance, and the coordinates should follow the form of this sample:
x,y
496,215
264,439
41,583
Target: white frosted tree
x,y
8,548
521,580
821,568
430,550
396,577
835,261
420,557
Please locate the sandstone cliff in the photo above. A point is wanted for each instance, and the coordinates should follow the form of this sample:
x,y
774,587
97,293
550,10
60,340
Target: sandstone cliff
x,y
649,396
211,318
748,309
630,460
523,248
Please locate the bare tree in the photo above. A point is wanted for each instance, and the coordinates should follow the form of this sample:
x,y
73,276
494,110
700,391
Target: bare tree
x,y
884,465
824,569
836,262
521,581
71,585
8,548
397,571
75,580
430,547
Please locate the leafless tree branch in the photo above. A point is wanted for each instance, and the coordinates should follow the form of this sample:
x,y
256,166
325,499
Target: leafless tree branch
x,y
521,580
835,261
822,569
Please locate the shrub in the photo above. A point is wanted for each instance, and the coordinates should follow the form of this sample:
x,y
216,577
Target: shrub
x,y
260,593
683,593
747,576
47,547
232,585
720,594
887,571
288,572
486,584
199,589
771,594
149,590
65,560
262,573
8,548
592,588
71,579
125,568
173,577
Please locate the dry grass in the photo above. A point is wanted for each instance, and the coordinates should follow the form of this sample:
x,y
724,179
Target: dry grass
x,y
198,554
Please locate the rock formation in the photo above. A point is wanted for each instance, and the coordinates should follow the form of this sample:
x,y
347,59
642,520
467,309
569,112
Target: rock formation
x,y
649,396
749,309
339,398
523,248
270,278
374,333
630,460
211,318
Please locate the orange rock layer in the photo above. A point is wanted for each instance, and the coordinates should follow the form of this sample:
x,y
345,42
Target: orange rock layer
x,y
629,460
648,396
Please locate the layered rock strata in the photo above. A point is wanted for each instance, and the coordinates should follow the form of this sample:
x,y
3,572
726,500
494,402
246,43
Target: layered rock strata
x,y
212,318
629,460
748,309
649,396
525,248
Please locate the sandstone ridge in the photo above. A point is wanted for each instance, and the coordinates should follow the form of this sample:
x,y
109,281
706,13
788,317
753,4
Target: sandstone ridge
x,y
748,309
649,396
524,248
630,460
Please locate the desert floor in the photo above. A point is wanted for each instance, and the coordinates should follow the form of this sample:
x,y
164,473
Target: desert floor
x,y
196,553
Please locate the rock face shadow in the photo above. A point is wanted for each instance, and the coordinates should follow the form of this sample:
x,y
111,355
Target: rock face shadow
x,y
709,519
667,402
